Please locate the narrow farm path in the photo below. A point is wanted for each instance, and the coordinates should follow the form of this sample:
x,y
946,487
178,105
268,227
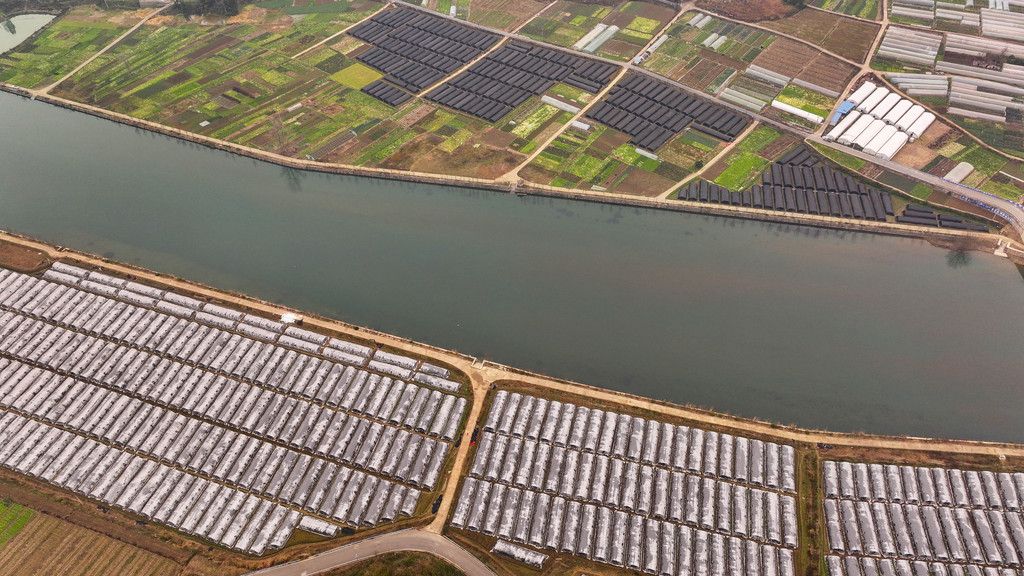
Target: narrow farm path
x,y
339,33
46,90
532,18
710,162
513,175
784,35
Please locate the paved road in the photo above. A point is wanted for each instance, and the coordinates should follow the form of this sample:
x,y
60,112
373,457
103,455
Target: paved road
x,y
406,540
1011,209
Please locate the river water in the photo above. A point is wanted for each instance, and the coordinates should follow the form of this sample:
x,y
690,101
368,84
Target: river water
x,y
24,26
824,329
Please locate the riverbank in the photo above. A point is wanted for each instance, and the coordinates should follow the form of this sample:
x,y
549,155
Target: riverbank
x,y
482,374
942,237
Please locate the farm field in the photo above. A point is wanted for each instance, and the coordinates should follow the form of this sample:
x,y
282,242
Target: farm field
x,y
795,60
65,44
942,147
504,15
807,100
1008,136
749,10
845,37
265,81
454,8
239,82
13,518
398,564
861,8
744,165
47,545
686,55
568,24
603,159
352,11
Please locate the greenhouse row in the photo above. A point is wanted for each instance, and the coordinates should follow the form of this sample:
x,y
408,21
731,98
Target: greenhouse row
x,y
624,437
809,201
416,50
660,493
615,537
504,79
114,334
190,444
925,216
255,327
153,382
651,112
853,566
935,486
941,534
910,45
195,505
386,93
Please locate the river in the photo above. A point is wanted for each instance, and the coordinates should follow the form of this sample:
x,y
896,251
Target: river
x,y
24,26
823,329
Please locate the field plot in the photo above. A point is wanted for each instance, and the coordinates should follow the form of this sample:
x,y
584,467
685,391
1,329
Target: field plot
x,y
807,100
13,518
817,70
602,159
64,44
701,49
619,33
738,170
340,10
861,8
232,428
846,37
504,15
626,491
749,10
47,545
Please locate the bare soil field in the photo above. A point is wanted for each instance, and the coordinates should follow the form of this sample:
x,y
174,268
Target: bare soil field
x,y
796,60
749,10
643,183
915,156
924,150
828,72
21,259
786,57
852,39
504,15
701,75
467,160
846,37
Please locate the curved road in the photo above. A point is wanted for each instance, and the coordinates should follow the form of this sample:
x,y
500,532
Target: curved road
x,y
405,541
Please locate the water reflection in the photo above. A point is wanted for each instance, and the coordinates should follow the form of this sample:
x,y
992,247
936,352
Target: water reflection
x,y
958,258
